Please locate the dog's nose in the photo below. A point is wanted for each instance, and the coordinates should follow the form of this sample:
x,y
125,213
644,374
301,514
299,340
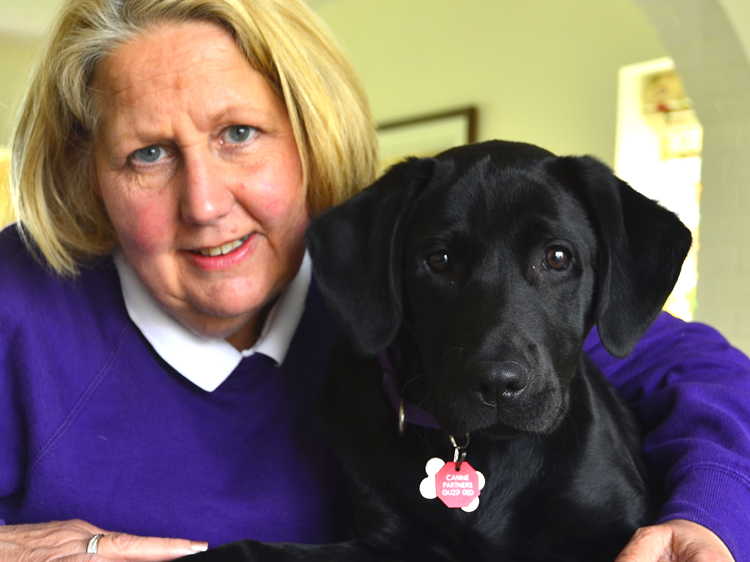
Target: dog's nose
x,y
496,382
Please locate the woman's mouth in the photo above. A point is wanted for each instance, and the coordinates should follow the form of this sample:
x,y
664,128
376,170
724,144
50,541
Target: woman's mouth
x,y
224,249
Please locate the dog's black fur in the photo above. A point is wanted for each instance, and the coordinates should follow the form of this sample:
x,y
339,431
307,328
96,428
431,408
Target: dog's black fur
x,y
486,267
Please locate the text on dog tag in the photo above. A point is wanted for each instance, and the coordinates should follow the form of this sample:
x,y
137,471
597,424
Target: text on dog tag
x,y
457,488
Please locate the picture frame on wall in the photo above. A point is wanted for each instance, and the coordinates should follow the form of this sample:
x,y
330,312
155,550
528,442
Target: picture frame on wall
x,y
426,135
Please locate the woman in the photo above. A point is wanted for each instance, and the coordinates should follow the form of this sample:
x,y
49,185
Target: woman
x,y
159,357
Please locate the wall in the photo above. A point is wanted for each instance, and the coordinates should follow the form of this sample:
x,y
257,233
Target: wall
x,y
546,75
16,59
711,57
738,14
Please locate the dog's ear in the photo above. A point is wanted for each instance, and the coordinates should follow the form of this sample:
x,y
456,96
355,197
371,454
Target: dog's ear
x,y
357,249
642,247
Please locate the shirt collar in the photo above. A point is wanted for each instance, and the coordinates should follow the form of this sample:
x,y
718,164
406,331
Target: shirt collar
x,y
208,362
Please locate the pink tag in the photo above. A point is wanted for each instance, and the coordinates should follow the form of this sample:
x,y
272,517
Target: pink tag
x,y
457,488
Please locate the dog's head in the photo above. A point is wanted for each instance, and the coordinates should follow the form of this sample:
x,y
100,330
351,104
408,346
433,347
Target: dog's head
x,y
498,258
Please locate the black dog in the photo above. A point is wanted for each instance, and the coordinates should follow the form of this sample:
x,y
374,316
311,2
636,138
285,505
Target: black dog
x,y
481,271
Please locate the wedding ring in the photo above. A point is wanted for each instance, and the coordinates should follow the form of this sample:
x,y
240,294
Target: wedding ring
x,y
93,546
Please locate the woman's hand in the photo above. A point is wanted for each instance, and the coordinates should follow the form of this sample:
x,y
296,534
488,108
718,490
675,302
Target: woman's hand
x,y
675,541
67,541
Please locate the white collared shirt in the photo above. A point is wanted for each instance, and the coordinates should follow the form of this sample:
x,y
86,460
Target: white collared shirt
x,y
207,362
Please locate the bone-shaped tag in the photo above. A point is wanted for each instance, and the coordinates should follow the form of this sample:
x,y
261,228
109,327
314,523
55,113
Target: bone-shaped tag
x,y
455,488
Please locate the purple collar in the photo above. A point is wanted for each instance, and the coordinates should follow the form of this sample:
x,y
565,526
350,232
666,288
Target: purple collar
x,y
411,413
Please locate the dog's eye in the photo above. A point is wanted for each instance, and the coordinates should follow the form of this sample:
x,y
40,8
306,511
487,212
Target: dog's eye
x,y
439,261
557,257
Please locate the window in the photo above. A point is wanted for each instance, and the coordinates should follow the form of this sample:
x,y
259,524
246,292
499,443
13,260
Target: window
x,y
658,152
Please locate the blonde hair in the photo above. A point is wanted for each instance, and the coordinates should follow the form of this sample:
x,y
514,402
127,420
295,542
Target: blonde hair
x,y
53,143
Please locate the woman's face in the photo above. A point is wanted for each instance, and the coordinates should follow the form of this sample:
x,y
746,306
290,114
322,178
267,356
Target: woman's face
x,y
199,171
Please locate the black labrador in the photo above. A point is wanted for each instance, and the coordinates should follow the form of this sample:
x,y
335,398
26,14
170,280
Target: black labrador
x,y
475,277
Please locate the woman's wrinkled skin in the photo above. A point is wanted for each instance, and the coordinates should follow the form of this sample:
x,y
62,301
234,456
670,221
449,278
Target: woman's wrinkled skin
x,y
196,152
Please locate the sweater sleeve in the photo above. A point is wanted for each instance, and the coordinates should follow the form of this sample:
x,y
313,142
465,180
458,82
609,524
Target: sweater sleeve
x,y
691,390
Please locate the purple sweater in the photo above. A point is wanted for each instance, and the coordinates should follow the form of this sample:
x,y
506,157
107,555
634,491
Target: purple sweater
x,y
94,425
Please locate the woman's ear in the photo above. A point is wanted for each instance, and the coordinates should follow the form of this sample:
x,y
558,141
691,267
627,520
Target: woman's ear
x,y
356,250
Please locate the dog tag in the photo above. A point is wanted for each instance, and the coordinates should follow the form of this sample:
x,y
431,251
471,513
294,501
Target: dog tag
x,y
427,486
455,488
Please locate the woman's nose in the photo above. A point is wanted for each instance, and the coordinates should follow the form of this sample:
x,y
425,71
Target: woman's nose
x,y
206,195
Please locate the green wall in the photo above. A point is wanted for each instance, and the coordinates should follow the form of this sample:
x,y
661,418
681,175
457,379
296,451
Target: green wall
x,y
541,71
17,57
16,60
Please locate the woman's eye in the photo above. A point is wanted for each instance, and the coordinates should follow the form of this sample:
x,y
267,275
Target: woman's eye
x,y
239,133
557,257
439,261
149,154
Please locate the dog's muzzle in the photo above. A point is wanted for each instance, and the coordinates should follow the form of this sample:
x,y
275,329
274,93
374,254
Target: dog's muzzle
x,y
500,398
496,383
